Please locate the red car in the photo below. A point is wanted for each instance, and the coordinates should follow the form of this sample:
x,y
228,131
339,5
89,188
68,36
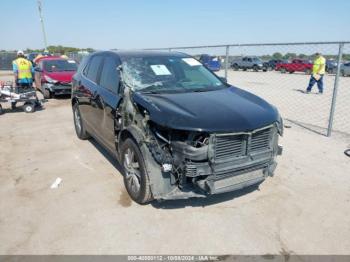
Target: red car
x,y
53,75
297,65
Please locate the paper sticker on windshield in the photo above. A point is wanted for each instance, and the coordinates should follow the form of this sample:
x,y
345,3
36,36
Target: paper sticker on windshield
x,y
191,61
71,61
160,70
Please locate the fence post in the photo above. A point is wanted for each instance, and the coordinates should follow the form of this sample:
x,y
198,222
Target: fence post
x,y
335,90
226,59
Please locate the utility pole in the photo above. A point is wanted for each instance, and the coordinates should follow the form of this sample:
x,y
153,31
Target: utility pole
x,y
42,24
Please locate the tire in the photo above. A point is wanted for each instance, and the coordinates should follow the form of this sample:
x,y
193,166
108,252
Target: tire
x,y
343,73
136,179
255,68
290,72
47,94
1,110
78,123
235,67
28,108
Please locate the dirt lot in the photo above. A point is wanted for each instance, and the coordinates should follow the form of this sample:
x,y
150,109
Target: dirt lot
x,y
303,209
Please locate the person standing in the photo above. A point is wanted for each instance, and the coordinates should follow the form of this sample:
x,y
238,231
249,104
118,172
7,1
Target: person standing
x,y
318,71
23,71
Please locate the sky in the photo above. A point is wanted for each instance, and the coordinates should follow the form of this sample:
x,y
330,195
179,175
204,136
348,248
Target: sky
x,y
137,24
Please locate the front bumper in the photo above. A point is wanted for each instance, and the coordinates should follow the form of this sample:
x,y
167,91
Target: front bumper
x,y
59,89
220,174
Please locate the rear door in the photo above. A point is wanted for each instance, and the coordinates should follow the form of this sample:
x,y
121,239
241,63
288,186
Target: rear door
x,y
108,99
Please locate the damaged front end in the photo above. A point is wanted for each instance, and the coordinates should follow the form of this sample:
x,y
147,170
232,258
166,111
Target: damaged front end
x,y
201,164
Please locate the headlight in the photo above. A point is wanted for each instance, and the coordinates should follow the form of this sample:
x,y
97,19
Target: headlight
x,y
49,79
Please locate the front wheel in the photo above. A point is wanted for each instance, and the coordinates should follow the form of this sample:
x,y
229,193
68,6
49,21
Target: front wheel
x,y
136,178
28,108
78,123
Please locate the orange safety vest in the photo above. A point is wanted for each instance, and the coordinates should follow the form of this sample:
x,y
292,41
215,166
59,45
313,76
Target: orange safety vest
x,y
24,68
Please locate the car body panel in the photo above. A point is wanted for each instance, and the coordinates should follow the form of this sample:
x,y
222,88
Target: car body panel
x,y
231,110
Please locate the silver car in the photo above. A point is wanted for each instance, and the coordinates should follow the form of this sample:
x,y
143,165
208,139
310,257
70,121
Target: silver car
x,y
345,69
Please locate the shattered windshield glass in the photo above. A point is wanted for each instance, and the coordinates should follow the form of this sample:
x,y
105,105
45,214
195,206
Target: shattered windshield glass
x,y
167,74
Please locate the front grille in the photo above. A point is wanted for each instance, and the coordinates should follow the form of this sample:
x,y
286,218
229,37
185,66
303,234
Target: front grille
x,y
261,140
241,170
228,146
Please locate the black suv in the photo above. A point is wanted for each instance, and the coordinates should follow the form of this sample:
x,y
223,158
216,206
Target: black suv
x,y
178,130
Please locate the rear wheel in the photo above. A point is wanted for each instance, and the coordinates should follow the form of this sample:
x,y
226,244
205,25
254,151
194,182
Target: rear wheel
x,y
78,123
136,178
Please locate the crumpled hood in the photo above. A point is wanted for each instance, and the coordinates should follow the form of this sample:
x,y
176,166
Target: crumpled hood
x,y
226,110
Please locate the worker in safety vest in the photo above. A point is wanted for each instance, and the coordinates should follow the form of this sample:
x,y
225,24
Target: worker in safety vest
x,y
318,71
23,70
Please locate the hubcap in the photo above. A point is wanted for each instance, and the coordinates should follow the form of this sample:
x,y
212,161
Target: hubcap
x,y
77,120
132,171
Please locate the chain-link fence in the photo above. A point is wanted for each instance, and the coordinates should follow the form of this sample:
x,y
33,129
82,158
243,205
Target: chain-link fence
x,y
6,59
280,73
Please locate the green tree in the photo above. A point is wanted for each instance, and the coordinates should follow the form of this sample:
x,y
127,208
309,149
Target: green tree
x,y
277,55
290,56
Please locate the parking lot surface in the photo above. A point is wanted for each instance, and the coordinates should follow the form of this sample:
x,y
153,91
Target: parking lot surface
x,y
303,209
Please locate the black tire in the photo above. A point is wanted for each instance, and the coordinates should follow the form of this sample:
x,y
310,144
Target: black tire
x,y
29,107
1,110
290,72
47,94
343,73
235,67
79,124
255,68
136,179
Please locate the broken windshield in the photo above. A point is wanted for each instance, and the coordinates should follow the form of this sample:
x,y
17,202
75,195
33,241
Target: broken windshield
x,y
167,74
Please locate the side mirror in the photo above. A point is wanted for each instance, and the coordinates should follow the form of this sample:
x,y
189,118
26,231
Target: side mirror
x,y
223,79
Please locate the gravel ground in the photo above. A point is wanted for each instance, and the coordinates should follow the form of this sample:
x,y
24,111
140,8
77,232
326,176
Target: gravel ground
x,y
303,209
